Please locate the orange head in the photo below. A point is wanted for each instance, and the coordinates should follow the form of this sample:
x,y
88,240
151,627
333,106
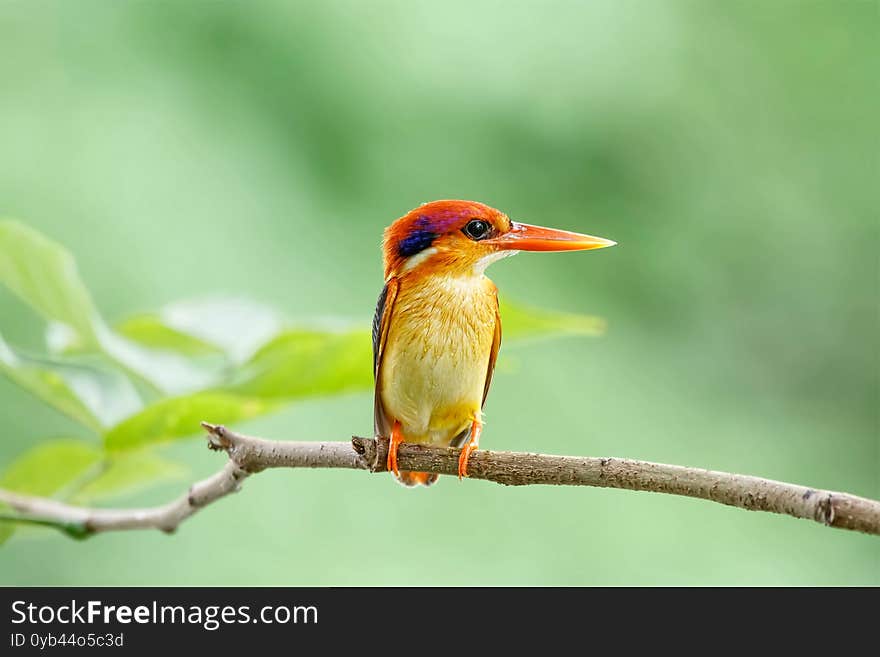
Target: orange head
x,y
466,236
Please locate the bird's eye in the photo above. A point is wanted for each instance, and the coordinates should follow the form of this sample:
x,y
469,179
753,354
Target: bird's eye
x,y
477,229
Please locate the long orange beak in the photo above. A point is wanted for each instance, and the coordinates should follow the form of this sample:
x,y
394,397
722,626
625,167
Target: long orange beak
x,y
525,237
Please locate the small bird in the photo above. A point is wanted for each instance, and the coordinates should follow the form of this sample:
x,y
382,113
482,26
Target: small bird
x,y
437,329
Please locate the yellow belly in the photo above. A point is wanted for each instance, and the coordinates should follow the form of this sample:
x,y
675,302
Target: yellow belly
x,y
436,357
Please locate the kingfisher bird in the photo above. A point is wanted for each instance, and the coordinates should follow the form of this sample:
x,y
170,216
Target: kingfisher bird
x,y
437,329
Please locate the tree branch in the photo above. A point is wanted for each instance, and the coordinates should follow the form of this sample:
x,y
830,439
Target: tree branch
x,y
249,455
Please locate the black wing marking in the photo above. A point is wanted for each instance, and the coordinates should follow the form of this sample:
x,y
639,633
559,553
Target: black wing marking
x,y
381,321
377,326
493,354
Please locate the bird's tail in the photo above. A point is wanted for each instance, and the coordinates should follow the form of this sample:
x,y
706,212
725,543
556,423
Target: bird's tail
x,y
409,479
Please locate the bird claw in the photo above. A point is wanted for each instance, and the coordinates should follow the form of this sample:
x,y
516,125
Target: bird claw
x,y
463,460
393,446
470,448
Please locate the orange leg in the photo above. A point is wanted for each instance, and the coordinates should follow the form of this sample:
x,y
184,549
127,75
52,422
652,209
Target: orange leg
x,y
467,450
396,439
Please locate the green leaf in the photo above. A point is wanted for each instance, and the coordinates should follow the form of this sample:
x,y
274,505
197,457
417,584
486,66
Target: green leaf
x,y
95,396
126,473
178,417
298,363
168,372
47,469
151,331
230,328
190,345
306,363
233,327
169,368
236,326
50,466
44,275
526,323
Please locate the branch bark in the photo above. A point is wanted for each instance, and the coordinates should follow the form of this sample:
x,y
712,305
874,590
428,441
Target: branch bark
x,y
249,455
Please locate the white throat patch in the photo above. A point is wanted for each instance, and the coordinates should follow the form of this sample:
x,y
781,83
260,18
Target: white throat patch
x,y
414,261
481,264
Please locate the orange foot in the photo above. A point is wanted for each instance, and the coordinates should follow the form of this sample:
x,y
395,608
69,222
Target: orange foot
x,y
393,445
467,450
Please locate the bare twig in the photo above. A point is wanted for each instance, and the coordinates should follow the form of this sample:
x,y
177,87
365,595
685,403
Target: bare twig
x,y
248,455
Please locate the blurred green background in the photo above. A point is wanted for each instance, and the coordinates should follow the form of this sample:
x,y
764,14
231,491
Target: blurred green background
x,y
187,149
